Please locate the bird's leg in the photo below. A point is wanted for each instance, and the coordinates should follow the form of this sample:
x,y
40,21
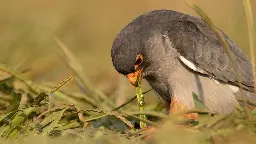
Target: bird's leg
x,y
177,106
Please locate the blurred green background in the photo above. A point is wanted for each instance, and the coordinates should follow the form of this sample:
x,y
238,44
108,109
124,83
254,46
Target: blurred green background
x,y
88,28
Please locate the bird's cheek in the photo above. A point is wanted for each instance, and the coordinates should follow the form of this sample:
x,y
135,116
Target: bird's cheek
x,y
135,77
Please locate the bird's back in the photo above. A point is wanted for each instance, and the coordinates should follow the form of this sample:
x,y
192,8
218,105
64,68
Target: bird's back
x,y
197,42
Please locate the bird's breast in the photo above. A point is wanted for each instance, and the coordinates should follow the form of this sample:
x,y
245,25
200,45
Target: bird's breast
x,y
161,88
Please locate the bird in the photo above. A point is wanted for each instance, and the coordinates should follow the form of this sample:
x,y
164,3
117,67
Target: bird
x,y
178,55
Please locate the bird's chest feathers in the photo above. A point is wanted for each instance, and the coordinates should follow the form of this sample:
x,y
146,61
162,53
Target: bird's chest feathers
x,y
161,88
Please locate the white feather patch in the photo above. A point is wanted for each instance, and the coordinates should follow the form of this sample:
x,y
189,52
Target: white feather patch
x,y
192,66
234,89
215,81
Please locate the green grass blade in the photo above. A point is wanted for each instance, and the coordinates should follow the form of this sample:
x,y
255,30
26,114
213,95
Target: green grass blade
x,y
14,105
55,118
18,119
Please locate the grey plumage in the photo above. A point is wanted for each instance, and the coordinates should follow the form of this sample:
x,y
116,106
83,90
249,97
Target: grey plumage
x,y
162,36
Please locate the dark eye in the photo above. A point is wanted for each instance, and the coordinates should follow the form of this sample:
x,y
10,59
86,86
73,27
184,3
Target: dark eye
x,y
138,61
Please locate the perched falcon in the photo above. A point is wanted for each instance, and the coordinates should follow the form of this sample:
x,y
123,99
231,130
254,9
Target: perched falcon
x,y
179,54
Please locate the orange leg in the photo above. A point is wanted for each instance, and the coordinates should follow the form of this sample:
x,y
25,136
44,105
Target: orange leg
x,y
176,107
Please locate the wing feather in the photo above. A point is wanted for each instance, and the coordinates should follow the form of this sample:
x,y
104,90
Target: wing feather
x,y
195,41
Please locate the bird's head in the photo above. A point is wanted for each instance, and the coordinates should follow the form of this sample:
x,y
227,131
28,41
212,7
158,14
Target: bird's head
x,y
127,54
140,47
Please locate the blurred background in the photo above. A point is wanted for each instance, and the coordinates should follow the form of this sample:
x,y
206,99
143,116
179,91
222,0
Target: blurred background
x,y
88,29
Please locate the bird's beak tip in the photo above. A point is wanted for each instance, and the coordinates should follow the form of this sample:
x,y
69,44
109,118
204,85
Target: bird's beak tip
x,y
135,77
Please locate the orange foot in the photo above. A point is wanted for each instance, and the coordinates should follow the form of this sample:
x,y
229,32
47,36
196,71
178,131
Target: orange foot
x,y
177,107
149,131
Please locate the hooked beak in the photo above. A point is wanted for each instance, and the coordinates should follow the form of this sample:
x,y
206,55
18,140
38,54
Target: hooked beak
x,y
135,77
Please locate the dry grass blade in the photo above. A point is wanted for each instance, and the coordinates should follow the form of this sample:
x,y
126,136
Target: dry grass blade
x,y
80,79
250,22
63,96
80,99
95,118
133,98
36,88
115,109
51,96
149,113
75,66
215,120
112,113
40,98
141,119
123,119
20,77
61,84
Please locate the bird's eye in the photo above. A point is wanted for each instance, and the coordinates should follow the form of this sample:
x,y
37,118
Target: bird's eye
x,y
138,60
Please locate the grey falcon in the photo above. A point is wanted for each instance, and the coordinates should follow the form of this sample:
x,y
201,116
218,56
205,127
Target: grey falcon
x,y
179,54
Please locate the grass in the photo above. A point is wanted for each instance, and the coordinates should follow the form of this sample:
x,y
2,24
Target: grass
x,y
35,112
250,22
